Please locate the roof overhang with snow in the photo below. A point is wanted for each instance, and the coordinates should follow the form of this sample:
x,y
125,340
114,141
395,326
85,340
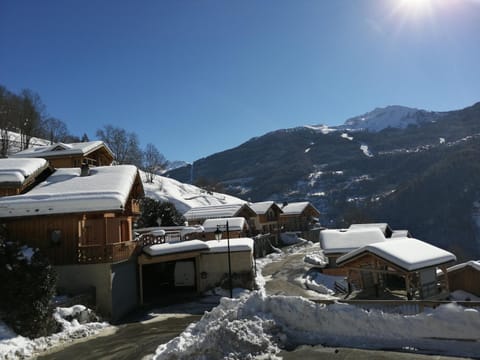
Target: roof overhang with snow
x,y
62,149
15,172
298,208
217,211
107,188
343,241
471,264
262,208
408,254
234,224
198,246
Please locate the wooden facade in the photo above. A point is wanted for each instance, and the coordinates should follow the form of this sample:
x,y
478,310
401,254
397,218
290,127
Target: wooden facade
x,y
98,157
301,221
267,222
81,238
373,273
466,278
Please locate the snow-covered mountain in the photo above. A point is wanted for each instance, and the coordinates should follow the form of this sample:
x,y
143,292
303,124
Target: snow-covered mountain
x,y
394,116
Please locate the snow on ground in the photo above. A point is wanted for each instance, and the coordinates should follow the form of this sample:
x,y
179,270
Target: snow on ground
x,y
75,324
184,196
260,325
366,150
346,136
324,129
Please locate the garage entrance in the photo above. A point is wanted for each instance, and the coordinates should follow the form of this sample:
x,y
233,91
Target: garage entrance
x,y
168,278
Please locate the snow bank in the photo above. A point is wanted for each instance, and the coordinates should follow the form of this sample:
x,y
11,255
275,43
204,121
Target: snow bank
x,y
76,322
256,324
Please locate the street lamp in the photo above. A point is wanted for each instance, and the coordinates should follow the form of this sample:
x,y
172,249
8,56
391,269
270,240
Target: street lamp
x,y
218,237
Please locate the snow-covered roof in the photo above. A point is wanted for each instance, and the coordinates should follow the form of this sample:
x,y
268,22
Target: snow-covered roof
x,y
381,226
261,208
216,211
407,253
343,241
400,233
106,189
472,263
175,248
295,208
60,149
236,245
16,171
234,224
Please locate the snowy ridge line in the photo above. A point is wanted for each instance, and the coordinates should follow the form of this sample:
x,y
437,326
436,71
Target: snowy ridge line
x,y
427,147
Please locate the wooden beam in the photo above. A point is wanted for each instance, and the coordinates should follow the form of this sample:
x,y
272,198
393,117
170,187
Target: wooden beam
x,y
146,259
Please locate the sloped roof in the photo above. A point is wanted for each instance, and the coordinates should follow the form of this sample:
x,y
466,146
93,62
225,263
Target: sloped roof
x,y
17,171
214,246
382,226
261,208
216,211
472,263
407,253
106,189
60,149
234,224
295,208
343,241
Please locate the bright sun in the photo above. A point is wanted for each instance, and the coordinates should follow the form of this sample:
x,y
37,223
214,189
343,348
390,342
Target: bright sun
x,y
416,7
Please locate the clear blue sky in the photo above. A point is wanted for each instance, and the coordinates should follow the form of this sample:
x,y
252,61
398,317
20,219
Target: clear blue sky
x,y
198,77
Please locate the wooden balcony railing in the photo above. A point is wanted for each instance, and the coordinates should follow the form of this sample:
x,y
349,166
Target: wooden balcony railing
x,y
94,254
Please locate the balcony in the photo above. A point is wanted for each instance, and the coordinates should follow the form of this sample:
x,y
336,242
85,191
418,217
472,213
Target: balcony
x,y
108,253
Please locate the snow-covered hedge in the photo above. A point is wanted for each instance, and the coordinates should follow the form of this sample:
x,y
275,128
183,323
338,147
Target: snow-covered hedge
x,y
27,285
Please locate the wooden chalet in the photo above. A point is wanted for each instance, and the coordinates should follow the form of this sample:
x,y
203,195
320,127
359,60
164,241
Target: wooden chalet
x,y
19,175
60,155
82,221
197,215
267,219
375,267
465,276
298,216
338,242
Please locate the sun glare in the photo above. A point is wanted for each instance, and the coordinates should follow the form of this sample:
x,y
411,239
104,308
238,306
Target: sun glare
x,y
416,7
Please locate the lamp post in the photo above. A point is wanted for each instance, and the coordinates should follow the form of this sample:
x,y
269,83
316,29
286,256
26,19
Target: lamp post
x,y
218,236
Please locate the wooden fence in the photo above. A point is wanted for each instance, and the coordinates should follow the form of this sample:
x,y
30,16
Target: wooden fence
x,y
405,307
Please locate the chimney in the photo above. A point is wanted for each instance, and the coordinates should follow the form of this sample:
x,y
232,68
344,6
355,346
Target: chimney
x,y
84,169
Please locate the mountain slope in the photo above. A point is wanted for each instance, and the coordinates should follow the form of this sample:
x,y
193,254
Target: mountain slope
x,y
340,170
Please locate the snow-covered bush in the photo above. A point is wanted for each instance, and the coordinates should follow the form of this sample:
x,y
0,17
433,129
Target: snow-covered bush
x,y
27,285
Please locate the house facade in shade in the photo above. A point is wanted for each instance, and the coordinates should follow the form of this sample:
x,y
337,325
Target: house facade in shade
x,y
83,223
19,175
237,227
465,276
62,155
372,267
298,216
